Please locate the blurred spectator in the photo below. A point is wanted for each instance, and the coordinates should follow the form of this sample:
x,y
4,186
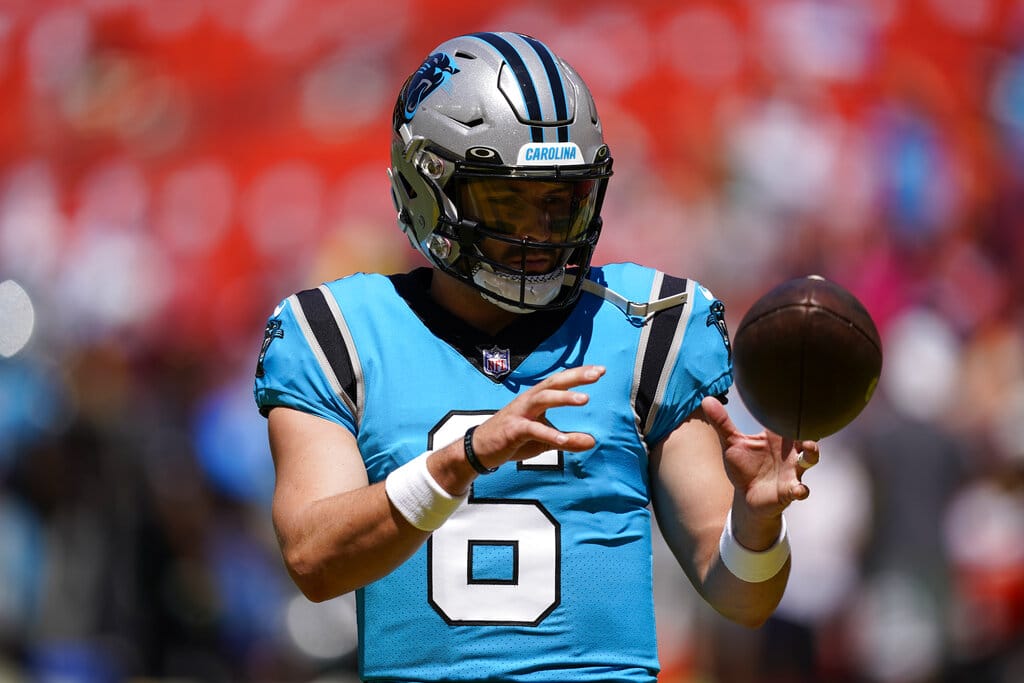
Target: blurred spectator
x,y
898,628
167,168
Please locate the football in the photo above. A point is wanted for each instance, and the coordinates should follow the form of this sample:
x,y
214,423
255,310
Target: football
x,y
807,357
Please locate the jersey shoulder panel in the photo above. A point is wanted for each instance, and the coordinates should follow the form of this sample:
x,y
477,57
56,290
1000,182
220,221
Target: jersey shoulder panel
x,y
307,360
683,351
698,363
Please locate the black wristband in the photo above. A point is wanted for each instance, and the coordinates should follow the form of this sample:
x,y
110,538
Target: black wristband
x,y
474,462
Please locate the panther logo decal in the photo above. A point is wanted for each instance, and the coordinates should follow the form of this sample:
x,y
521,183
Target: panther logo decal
x,y
433,74
716,318
272,332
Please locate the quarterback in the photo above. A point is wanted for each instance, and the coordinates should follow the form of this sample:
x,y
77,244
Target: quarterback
x,y
476,447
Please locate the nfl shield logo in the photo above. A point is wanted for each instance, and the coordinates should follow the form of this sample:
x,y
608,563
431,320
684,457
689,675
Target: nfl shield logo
x,y
496,362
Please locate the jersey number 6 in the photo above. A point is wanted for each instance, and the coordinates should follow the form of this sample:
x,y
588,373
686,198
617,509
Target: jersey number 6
x,y
495,561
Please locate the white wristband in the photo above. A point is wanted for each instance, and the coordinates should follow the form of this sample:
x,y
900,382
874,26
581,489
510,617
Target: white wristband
x,y
418,496
749,565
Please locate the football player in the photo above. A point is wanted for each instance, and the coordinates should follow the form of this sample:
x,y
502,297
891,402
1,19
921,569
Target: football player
x,y
475,446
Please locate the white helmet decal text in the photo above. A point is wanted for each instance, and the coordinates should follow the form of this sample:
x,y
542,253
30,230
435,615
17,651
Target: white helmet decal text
x,y
549,153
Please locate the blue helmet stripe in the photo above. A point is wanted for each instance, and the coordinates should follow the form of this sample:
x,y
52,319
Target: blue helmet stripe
x,y
515,60
555,79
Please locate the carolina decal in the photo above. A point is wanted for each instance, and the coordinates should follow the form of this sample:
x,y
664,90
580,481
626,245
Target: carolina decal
x,y
549,153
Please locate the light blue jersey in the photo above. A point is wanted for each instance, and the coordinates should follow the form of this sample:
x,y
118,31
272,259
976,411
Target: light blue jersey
x,y
545,573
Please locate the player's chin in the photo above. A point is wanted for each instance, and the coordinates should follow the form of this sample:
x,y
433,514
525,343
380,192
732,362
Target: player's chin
x,y
541,268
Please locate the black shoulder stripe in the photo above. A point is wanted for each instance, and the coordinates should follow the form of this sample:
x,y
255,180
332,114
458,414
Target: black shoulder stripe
x,y
658,346
529,90
325,328
555,79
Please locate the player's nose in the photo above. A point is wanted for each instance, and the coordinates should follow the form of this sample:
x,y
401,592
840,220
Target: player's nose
x,y
539,227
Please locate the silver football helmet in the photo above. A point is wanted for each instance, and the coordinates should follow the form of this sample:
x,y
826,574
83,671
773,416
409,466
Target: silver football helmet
x,y
499,167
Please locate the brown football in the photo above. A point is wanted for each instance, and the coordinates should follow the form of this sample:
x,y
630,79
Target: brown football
x,y
807,357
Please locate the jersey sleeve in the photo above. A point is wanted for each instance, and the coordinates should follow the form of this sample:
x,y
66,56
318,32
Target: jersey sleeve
x,y
701,367
289,373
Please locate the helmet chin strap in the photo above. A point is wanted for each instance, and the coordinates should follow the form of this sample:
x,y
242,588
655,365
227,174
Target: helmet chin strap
x,y
542,289
642,311
537,291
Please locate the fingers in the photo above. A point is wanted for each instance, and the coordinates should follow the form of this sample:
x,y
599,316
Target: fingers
x,y
555,391
808,454
545,433
573,377
719,418
521,429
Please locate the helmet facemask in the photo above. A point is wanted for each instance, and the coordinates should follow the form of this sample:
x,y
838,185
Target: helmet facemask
x,y
521,236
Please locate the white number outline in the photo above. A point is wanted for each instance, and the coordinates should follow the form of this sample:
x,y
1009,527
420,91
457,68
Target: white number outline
x,y
470,514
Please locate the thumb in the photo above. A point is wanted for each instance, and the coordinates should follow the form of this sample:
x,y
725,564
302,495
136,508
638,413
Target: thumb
x,y
719,418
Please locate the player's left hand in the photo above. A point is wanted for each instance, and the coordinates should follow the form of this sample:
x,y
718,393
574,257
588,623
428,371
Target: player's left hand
x,y
766,469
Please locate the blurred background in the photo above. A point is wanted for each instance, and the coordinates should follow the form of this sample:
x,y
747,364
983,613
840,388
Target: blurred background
x,y
170,170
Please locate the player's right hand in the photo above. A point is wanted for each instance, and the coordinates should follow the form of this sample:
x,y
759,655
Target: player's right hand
x,y
521,430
